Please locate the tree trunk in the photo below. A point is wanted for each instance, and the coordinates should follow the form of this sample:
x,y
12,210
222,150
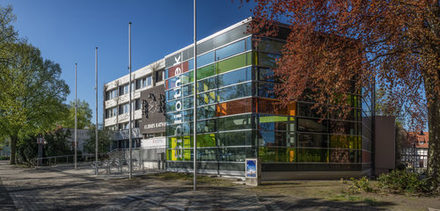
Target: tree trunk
x,y
13,157
434,135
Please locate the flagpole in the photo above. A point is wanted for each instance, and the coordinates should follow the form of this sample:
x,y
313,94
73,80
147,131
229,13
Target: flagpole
x,y
76,118
195,101
130,165
96,106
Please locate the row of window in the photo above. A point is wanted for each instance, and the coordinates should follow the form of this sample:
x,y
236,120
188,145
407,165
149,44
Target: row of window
x,y
122,109
124,126
138,84
268,139
239,154
266,123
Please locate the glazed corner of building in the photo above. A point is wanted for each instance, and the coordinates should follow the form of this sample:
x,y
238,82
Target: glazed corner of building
x,y
277,170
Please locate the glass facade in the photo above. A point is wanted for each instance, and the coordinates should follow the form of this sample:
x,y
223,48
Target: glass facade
x,y
239,117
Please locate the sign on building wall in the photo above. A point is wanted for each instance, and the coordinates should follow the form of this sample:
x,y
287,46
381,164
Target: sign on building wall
x,y
153,110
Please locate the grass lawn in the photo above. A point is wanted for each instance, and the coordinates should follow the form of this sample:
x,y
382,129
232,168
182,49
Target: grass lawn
x,y
334,190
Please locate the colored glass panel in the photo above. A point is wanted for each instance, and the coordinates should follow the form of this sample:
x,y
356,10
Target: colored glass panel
x,y
205,72
177,69
235,138
274,107
234,107
312,155
234,63
278,154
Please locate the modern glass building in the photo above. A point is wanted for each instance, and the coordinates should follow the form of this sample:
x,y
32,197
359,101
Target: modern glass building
x,y
238,117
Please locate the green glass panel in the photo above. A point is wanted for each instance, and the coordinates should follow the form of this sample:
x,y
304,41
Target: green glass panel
x,y
205,72
206,140
312,155
281,154
187,77
267,119
234,63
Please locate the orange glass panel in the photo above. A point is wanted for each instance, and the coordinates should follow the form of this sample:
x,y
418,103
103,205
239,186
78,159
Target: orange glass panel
x,y
234,107
272,107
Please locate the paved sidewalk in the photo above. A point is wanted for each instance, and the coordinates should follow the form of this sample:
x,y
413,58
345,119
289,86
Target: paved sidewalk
x,y
51,189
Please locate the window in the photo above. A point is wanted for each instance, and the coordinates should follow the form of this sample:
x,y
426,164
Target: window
x,y
123,89
205,59
148,81
159,75
235,138
235,123
206,98
143,82
233,77
139,83
312,125
123,108
207,84
111,112
137,123
229,93
234,63
137,104
234,107
230,50
123,126
205,72
111,94
206,112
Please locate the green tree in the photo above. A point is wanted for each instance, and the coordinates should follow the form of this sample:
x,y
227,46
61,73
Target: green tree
x,y
7,33
104,140
396,44
32,94
57,143
84,115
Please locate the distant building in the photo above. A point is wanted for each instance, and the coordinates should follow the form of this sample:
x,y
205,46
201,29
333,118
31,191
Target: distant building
x,y
83,136
5,151
415,151
145,82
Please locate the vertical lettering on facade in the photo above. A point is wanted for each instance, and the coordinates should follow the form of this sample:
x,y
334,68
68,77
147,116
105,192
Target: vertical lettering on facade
x,y
178,105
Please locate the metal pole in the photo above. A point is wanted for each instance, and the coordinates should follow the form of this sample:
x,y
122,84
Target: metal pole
x,y
195,102
96,107
130,165
76,119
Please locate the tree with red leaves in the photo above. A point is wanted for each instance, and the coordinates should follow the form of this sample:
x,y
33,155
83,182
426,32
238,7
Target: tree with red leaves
x,y
333,44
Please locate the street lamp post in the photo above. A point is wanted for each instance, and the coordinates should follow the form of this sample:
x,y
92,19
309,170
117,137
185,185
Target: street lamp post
x,y
195,102
130,165
96,107
76,118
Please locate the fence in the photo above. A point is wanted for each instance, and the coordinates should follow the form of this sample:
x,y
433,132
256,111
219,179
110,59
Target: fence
x,y
113,162
68,160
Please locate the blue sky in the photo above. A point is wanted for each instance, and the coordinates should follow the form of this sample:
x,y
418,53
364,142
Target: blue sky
x,y
68,31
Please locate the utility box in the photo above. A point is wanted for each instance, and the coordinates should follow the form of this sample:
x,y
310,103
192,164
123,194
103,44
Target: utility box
x,y
253,172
